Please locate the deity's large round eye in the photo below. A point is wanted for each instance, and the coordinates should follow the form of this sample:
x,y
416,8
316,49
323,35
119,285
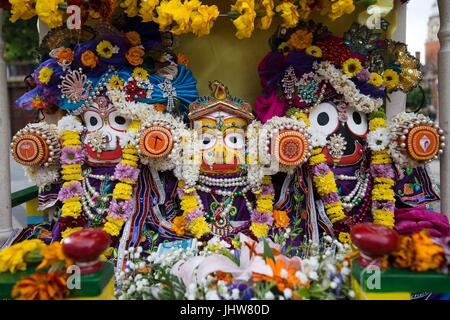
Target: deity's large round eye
x,y
357,122
324,118
92,120
235,140
117,121
207,141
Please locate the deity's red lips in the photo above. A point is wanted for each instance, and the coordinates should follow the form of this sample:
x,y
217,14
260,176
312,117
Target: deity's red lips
x,y
347,159
105,155
221,167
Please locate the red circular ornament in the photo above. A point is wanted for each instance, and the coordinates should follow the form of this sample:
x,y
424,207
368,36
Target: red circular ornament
x,y
291,148
156,142
85,247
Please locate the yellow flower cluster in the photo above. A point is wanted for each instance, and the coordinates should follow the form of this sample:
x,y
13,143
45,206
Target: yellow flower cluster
x,y
336,8
45,75
266,20
71,173
113,226
69,231
199,227
21,9
289,14
49,12
377,123
189,16
245,23
381,157
352,67
326,184
260,230
301,116
13,258
344,237
391,79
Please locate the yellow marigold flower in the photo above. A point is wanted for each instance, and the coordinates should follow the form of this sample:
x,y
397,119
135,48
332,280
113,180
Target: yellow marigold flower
x,y
352,67
245,23
314,51
376,79
131,7
146,10
105,49
264,205
289,13
13,258
69,231
71,209
266,21
53,254
260,230
135,126
131,163
339,8
115,83
130,157
122,191
69,169
317,159
179,225
344,237
300,39
199,227
203,19
49,12
385,181
140,73
267,180
189,203
45,75
325,184
281,219
70,177
21,9
377,123
391,79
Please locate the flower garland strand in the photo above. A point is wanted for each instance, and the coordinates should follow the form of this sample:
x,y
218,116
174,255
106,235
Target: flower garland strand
x,y
181,17
72,158
383,196
127,172
194,217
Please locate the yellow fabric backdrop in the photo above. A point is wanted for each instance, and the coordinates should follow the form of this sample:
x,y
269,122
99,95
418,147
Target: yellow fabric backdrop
x,y
221,56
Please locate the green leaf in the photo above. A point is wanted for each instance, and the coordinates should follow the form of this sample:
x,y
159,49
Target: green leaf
x,y
267,251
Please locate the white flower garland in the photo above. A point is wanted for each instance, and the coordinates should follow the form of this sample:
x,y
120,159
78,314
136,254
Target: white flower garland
x,y
255,172
69,123
343,85
42,176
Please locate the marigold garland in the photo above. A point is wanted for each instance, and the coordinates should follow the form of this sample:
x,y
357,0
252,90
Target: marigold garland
x,y
383,196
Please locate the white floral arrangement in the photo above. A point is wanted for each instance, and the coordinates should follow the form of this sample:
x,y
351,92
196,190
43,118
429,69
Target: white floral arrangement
x,y
69,123
343,85
378,139
216,270
255,171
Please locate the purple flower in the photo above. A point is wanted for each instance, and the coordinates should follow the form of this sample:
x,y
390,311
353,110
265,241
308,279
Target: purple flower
x,y
197,213
261,217
388,205
267,189
124,171
70,191
382,171
363,75
121,209
72,156
321,170
330,198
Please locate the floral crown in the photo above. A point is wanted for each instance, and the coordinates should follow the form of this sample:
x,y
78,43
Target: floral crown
x,y
120,65
308,65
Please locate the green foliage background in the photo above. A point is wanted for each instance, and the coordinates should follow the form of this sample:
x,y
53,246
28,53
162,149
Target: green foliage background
x,y
21,39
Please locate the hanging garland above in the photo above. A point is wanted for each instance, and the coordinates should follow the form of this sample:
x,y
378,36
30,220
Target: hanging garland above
x,y
188,16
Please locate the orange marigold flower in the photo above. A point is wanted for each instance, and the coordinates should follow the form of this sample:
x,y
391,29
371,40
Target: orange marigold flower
x,y
134,38
281,219
227,277
301,39
159,107
65,55
53,254
42,286
89,59
179,225
135,56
